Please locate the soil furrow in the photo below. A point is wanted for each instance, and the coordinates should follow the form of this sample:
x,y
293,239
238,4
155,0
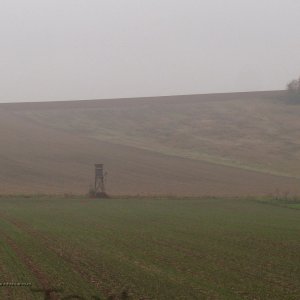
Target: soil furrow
x,y
92,279
27,260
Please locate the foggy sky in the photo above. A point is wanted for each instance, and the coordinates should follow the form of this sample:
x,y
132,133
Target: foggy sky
x,y
91,49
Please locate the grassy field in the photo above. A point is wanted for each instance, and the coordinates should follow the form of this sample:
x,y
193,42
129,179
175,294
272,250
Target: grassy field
x,y
159,248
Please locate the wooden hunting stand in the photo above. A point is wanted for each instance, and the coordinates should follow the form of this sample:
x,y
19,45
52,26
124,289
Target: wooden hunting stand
x,y
99,180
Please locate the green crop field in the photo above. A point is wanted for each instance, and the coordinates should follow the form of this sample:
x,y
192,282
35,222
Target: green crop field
x,y
142,248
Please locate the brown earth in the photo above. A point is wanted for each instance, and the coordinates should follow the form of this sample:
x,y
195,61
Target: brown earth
x,y
183,145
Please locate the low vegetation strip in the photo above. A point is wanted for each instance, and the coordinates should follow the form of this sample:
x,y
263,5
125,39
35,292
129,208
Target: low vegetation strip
x,y
284,200
153,248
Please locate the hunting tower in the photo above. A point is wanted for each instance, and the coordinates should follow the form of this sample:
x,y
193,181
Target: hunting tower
x,y
99,179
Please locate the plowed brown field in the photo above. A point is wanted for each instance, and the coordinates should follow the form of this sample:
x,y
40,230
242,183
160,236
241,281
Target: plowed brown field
x,y
184,145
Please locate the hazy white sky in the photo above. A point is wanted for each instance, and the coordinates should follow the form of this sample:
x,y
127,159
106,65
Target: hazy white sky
x,y
82,49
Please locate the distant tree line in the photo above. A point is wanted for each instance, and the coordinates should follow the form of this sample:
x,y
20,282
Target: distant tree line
x,y
293,89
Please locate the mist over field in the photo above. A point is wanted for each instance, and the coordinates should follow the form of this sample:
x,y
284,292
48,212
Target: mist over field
x,y
150,150
71,50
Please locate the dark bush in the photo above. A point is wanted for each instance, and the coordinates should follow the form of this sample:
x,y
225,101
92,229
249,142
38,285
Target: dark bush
x,y
293,89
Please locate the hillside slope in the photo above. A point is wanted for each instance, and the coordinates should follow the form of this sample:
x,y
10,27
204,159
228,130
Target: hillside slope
x,y
228,144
